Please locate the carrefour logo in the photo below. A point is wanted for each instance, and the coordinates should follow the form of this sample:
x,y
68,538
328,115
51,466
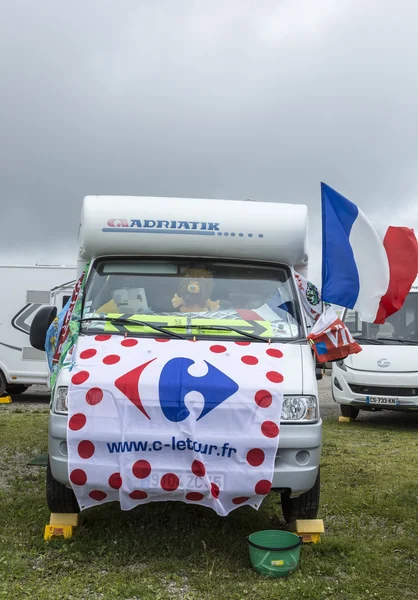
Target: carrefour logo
x,y
175,383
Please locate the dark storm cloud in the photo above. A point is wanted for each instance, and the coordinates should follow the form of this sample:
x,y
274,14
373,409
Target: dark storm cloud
x,y
233,99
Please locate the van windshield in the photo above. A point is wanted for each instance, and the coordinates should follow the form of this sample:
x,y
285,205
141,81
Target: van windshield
x,y
401,326
192,299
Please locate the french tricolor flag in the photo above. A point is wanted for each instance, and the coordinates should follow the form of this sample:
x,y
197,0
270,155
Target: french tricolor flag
x,y
360,270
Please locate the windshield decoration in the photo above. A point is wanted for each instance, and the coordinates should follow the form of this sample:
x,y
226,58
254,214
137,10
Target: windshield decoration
x,y
311,298
330,338
195,289
162,419
63,332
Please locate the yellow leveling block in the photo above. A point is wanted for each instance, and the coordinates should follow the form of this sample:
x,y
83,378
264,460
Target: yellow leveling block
x,y
344,419
5,400
309,530
61,525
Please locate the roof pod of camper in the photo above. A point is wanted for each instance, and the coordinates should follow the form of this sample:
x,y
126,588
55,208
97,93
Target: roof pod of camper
x,y
142,225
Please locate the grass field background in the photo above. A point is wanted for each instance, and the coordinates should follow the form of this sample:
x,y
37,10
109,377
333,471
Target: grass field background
x,y
369,504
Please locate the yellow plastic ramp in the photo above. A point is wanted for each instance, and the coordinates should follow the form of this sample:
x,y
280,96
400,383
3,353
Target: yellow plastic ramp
x,y
61,525
5,399
344,419
308,529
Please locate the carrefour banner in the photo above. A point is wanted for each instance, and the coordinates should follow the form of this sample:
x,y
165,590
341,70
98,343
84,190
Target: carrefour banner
x,y
162,420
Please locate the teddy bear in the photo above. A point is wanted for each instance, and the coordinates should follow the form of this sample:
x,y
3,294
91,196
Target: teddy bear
x,y
195,290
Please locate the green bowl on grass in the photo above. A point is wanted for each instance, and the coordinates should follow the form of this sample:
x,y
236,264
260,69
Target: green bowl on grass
x,y
274,553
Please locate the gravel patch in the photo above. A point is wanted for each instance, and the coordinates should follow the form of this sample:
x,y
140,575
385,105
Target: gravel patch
x,y
35,399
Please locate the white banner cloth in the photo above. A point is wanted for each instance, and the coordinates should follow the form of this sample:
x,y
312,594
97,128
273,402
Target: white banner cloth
x,y
157,420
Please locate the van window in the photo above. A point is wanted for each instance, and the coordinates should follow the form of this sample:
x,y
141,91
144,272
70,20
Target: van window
x,y
401,325
251,297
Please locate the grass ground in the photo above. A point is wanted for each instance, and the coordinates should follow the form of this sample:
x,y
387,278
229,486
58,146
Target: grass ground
x,y
167,551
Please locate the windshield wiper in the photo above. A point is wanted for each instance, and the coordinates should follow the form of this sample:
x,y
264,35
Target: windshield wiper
x,y
401,340
125,321
366,340
202,328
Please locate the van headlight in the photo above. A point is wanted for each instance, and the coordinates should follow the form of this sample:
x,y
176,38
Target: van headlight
x,y
341,364
299,408
60,404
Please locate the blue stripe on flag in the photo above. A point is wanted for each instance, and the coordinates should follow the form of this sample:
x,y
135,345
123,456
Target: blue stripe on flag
x,y
279,306
340,280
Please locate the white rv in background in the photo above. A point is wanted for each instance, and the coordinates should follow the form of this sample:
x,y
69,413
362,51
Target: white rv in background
x,y
24,289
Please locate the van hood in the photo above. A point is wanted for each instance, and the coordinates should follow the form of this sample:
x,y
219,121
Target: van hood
x,y
385,358
295,371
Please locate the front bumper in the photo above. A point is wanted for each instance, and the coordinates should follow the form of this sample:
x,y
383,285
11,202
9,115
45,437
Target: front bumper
x,y
383,381
295,469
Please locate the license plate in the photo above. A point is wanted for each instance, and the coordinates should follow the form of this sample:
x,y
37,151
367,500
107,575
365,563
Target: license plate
x,y
382,400
186,481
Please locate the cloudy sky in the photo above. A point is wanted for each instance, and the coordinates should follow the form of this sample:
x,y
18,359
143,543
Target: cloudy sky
x,y
222,99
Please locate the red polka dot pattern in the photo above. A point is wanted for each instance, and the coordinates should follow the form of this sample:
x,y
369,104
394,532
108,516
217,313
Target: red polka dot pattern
x,y
102,338
77,422
263,398
78,477
198,468
270,429
274,377
162,339
97,495
94,396
85,449
263,487
217,349
138,495
240,500
80,377
274,353
141,469
249,360
129,343
255,457
170,482
243,343
194,496
215,491
112,359
88,354
115,481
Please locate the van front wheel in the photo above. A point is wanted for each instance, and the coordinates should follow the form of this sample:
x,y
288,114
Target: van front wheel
x,y
305,506
59,498
349,411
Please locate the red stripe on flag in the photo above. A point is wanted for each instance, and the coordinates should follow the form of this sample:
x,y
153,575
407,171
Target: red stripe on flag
x,y
248,315
402,249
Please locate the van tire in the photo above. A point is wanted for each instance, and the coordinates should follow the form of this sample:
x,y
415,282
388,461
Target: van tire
x,y
305,506
59,498
15,390
3,384
349,411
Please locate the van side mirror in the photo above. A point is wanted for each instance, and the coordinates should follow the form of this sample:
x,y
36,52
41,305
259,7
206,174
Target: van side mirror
x,y
40,325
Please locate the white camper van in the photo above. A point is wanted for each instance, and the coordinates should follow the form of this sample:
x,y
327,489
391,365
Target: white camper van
x,y
138,248
384,376
24,290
